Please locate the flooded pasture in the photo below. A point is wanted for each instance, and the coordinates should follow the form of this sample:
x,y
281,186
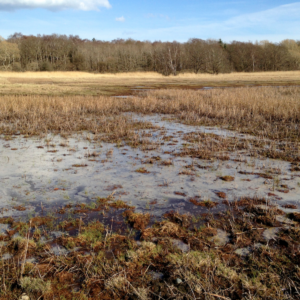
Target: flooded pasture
x,y
101,202
54,171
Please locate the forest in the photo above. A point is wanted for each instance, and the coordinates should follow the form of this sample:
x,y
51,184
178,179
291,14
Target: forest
x,y
71,53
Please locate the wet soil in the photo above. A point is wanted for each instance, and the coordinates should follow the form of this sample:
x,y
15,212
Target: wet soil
x,y
163,167
85,216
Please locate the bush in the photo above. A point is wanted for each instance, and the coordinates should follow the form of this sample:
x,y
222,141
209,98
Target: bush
x,y
34,66
16,67
46,67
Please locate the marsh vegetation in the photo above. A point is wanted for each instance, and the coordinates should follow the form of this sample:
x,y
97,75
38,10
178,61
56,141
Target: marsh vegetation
x,y
168,193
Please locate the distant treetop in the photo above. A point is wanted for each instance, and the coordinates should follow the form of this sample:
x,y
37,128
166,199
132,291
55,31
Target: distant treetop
x,y
71,53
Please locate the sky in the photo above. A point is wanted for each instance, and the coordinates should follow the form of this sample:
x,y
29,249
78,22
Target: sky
x,y
153,20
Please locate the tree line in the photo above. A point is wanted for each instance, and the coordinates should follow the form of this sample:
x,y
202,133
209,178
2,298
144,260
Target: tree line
x,y
71,53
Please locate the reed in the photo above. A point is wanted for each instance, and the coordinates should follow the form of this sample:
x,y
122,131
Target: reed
x,y
264,111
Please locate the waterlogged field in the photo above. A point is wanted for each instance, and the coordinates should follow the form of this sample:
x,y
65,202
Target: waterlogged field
x,y
160,194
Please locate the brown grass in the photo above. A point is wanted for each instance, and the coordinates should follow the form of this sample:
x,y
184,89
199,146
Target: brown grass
x,y
287,75
272,114
108,265
83,83
268,112
36,115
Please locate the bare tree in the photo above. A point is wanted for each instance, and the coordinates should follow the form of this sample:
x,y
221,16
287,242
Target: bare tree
x,y
9,54
61,52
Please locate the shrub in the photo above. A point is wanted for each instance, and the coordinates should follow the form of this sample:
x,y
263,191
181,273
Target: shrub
x,y
46,67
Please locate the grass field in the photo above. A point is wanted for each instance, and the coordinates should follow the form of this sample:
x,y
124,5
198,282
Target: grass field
x,y
263,111
174,192
79,83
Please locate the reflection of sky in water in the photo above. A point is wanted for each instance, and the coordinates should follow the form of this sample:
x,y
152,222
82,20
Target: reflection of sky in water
x,y
30,175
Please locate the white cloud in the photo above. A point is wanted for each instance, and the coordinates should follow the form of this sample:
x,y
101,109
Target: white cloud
x,y
279,15
275,24
121,19
54,4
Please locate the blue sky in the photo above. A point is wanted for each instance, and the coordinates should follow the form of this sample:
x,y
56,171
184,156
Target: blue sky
x,y
164,20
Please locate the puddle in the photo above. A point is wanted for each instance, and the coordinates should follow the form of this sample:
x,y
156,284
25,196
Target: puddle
x,y
156,275
141,89
57,234
243,251
245,86
34,177
58,250
181,245
3,228
271,233
6,256
206,88
221,238
31,260
285,220
172,126
123,97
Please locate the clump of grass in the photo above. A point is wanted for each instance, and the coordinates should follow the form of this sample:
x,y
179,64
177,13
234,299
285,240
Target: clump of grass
x,y
93,154
167,162
205,203
227,178
117,284
295,216
186,172
93,233
183,220
180,194
142,170
119,204
35,285
137,220
79,165
221,195
290,206
20,245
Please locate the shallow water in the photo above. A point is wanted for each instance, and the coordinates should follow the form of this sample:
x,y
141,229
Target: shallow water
x,y
40,177
168,123
245,86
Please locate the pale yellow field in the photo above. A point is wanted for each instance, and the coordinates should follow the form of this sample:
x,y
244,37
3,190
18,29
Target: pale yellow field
x,y
58,83
288,75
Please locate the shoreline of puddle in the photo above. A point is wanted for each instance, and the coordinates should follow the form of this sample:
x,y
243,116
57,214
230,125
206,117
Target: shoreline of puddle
x,y
44,181
31,176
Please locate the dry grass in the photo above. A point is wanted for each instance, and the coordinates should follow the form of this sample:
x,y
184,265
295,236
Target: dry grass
x,y
75,83
34,115
113,266
284,75
107,265
266,111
